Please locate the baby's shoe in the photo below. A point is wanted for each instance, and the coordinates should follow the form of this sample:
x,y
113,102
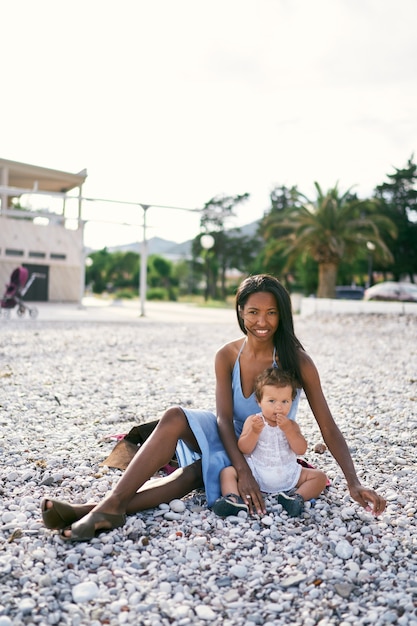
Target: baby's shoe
x,y
294,505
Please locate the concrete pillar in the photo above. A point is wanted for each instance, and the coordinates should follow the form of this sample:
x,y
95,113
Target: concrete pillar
x,y
4,182
80,199
80,226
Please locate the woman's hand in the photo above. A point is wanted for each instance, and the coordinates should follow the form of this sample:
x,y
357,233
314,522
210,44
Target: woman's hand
x,y
249,492
368,499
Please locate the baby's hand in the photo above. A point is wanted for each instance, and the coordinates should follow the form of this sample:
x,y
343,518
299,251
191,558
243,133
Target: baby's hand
x,y
283,422
257,423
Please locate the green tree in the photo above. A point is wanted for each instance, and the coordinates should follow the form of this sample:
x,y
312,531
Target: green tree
x,y
274,229
96,274
204,264
123,269
332,227
185,274
214,216
398,199
242,251
161,275
160,270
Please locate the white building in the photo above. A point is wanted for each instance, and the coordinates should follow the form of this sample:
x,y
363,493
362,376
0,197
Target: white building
x,y
46,242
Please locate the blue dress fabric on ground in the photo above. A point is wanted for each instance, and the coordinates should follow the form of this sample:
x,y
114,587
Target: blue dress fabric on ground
x,y
204,426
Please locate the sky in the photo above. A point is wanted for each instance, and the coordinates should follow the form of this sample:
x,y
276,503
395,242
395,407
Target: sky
x,y
175,102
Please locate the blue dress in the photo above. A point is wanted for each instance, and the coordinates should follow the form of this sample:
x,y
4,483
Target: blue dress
x,y
204,426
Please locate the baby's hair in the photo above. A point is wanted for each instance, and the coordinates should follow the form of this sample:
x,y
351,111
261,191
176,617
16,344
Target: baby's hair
x,y
275,378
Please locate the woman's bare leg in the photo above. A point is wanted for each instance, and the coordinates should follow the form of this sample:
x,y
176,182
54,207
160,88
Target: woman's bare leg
x,y
156,452
176,485
154,491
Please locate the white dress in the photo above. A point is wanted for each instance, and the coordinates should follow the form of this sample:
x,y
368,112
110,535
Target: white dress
x,y
274,465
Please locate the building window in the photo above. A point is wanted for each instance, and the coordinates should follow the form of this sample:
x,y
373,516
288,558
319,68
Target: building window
x,y
13,252
37,255
58,257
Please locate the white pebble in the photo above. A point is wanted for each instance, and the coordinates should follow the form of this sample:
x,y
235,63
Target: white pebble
x,y
165,587
205,613
178,506
27,605
172,516
240,571
192,555
344,549
84,592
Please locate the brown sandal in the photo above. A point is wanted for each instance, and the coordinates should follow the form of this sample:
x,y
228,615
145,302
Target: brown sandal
x,y
85,529
60,515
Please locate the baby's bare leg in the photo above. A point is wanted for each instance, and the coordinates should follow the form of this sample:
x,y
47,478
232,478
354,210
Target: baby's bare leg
x,y
228,481
311,483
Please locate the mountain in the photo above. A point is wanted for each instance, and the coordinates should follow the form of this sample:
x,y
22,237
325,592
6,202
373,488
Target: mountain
x,y
176,251
157,245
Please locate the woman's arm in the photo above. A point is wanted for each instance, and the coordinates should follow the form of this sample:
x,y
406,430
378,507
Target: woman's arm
x,y
334,439
247,485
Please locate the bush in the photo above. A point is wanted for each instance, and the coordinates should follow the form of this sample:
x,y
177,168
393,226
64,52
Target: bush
x,y
125,294
157,293
173,294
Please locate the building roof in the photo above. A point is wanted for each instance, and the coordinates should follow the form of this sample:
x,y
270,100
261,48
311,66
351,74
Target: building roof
x,y
26,176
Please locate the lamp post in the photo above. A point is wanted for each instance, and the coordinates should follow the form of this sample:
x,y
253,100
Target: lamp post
x,y
143,263
371,247
84,258
207,241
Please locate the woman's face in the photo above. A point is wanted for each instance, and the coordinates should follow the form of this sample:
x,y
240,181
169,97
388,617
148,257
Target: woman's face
x,y
260,315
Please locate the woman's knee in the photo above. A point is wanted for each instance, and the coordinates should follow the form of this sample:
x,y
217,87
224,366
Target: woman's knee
x,y
174,419
174,425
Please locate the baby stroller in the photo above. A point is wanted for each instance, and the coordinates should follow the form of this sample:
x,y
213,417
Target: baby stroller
x,y
16,289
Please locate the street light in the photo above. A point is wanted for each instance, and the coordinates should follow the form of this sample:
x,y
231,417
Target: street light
x,y
207,241
371,248
143,263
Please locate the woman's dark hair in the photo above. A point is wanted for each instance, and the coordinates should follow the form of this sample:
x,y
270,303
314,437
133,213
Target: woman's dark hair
x,y
287,345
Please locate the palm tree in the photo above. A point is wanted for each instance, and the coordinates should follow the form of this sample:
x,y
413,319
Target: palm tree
x,y
332,228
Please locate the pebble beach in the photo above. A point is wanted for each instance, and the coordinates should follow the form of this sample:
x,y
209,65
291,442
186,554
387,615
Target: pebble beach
x,y
69,388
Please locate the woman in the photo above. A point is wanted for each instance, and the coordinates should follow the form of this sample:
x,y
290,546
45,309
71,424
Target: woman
x,y
204,444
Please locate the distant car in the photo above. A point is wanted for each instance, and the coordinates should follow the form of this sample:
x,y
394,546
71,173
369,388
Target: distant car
x,y
349,293
397,292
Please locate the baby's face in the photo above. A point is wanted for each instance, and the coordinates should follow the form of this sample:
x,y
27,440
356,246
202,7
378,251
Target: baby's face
x,y
276,402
